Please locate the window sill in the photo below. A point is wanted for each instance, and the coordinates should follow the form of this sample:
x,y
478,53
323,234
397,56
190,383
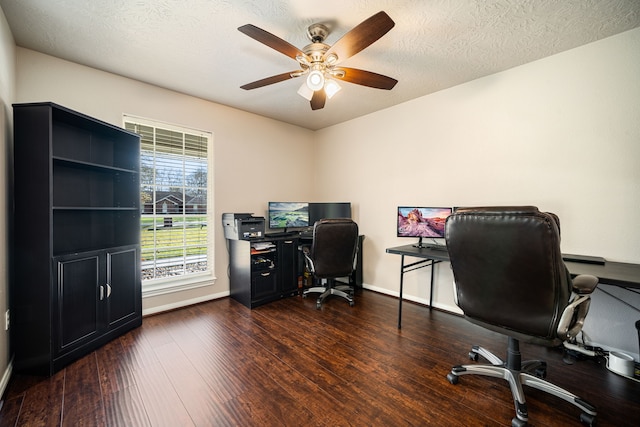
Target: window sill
x,y
152,288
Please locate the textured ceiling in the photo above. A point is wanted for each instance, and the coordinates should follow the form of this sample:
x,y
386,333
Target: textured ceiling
x,y
194,47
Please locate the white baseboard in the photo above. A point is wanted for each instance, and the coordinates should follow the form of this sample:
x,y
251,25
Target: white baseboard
x,y
405,297
183,303
4,382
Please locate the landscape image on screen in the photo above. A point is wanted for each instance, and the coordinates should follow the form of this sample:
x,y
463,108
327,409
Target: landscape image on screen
x,y
422,222
288,214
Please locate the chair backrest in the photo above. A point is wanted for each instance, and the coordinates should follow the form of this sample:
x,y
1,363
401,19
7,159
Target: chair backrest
x,y
334,247
508,269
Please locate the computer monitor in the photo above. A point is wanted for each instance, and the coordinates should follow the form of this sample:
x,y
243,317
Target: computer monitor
x,y
422,222
288,214
318,211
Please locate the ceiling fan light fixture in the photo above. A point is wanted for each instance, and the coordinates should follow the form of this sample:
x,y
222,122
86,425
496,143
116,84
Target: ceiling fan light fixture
x,y
303,60
305,92
331,59
339,73
331,87
315,80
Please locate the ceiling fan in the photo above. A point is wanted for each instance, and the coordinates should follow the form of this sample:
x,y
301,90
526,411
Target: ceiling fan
x,y
319,61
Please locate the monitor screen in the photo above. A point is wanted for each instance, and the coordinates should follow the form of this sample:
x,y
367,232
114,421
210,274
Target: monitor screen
x,y
422,222
288,214
318,211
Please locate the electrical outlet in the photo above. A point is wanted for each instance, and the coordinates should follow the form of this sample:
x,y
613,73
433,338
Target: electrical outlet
x,y
6,320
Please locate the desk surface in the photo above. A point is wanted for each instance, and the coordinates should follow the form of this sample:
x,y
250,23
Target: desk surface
x,y
611,273
411,250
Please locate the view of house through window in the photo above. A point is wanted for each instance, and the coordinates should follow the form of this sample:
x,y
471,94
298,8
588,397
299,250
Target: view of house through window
x,y
173,179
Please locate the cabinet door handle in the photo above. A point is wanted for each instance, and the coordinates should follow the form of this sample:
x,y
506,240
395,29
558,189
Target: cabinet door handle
x,y
101,292
108,290
265,274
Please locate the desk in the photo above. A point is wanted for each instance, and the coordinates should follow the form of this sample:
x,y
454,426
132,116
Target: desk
x,y
428,258
611,273
619,274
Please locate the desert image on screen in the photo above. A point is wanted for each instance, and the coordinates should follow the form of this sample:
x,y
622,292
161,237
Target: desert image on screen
x,y
422,222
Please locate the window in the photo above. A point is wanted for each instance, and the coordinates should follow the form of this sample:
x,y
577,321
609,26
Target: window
x,y
176,240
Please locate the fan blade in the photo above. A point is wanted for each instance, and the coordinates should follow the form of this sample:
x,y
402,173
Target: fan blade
x,y
361,36
270,40
318,99
365,78
269,80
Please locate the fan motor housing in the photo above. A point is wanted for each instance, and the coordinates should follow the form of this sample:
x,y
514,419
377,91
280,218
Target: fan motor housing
x,y
317,33
315,51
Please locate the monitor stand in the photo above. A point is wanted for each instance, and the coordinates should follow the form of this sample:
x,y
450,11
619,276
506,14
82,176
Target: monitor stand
x,y
419,245
434,246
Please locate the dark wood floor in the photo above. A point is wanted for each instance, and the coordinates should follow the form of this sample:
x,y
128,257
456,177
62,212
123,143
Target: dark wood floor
x,y
288,364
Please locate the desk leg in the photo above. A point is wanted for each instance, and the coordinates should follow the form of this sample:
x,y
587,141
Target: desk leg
x,y
433,267
400,298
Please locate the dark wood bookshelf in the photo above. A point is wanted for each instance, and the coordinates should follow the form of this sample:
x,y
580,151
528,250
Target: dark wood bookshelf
x,y
76,261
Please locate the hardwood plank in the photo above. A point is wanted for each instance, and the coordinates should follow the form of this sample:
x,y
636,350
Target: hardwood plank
x,y
162,403
42,404
125,407
122,400
83,403
114,370
288,364
10,410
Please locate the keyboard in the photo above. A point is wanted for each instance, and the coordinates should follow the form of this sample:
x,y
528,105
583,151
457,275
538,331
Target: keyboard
x,y
280,234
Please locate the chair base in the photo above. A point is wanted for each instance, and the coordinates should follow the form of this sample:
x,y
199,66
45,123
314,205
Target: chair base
x,y
343,291
517,374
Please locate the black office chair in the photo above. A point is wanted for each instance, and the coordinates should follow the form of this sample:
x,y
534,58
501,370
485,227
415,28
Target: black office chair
x,y
332,255
510,278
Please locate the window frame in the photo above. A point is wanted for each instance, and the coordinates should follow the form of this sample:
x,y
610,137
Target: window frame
x,y
167,285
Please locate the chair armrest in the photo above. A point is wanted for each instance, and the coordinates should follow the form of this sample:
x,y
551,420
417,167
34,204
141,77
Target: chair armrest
x,y
307,259
584,284
572,318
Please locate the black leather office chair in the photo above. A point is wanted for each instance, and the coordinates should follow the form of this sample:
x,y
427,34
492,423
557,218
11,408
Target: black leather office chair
x,y
332,255
510,278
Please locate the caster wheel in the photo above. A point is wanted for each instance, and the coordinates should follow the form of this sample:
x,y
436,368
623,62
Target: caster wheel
x,y
541,372
351,303
304,295
473,356
517,422
453,379
318,305
588,419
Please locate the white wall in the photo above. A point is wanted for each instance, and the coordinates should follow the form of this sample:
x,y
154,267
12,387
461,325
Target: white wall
x,y
7,84
255,159
561,133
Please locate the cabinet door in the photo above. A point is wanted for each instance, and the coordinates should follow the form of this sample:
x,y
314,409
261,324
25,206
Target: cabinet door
x,y
123,286
264,285
78,300
288,266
